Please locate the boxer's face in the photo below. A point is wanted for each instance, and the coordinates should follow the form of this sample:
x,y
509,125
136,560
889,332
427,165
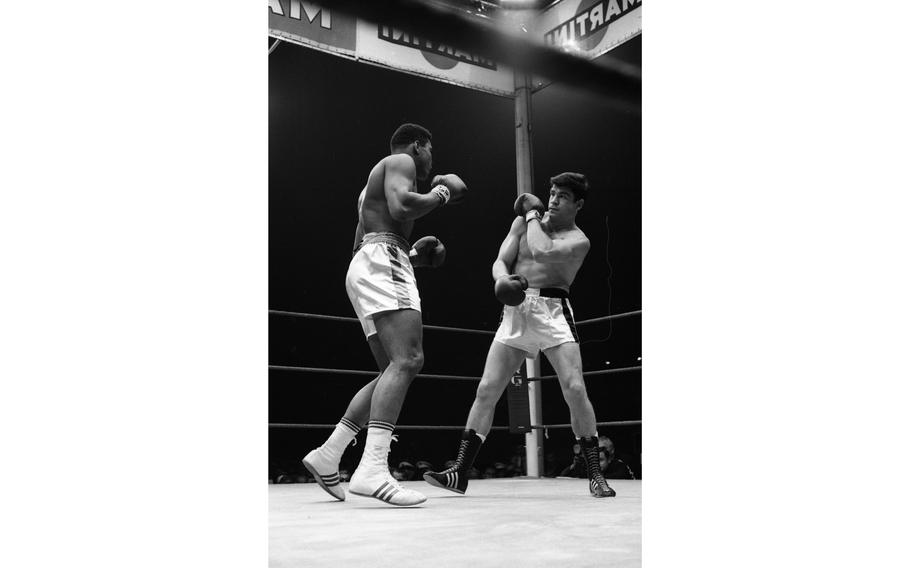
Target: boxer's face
x,y
562,203
423,159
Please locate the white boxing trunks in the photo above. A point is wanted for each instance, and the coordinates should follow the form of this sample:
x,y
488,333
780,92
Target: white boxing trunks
x,y
380,278
543,320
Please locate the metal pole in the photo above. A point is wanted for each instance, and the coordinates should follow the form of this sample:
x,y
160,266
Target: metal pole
x,y
524,168
524,173
534,438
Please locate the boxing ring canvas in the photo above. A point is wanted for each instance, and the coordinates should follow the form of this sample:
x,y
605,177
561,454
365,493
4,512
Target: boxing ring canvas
x,y
501,522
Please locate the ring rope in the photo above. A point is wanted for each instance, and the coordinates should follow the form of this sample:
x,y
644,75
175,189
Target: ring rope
x,y
613,423
343,318
370,373
427,427
589,373
442,327
397,427
429,375
605,318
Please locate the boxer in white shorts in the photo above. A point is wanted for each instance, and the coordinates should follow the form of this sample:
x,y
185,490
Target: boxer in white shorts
x,y
381,278
382,289
536,265
541,321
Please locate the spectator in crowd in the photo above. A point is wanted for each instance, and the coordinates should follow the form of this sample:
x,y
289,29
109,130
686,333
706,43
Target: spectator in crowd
x,y
408,471
551,469
577,467
516,467
611,466
423,466
274,472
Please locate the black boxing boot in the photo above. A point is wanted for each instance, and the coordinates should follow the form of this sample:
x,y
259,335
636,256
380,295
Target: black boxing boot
x,y
455,478
596,482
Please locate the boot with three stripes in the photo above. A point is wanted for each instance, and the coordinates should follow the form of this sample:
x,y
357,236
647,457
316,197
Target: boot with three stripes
x,y
322,463
379,484
455,478
372,477
596,482
325,472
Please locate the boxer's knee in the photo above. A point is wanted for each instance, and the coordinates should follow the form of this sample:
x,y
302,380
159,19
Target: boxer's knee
x,y
574,390
488,392
409,363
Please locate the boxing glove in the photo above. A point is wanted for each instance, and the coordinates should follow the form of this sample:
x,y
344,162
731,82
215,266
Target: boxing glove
x,y
526,203
510,289
449,188
428,251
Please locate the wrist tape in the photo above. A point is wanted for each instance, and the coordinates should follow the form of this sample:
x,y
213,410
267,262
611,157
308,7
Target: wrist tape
x,y
442,192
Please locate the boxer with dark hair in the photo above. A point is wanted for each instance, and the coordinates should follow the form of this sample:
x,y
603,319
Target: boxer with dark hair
x,y
536,265
382,288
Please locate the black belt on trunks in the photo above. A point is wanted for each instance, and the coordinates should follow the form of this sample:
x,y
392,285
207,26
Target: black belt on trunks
x,y
387,238
553,293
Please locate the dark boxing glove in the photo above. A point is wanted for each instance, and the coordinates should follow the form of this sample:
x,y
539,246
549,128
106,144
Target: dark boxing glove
x,y
510,289
428,251
526,203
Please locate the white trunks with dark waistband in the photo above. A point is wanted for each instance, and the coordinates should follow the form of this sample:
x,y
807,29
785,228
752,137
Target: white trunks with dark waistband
x,y
380,278
543,320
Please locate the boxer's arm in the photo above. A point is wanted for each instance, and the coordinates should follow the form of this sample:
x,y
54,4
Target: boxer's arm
x,y
358,236
508,250
358,233
400,177
547,251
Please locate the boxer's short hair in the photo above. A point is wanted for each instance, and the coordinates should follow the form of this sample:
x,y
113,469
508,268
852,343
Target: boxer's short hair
x,y
407,133
574,182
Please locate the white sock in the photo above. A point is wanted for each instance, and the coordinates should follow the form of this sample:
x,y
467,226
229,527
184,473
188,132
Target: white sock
x,y
376,448
482,437
339,439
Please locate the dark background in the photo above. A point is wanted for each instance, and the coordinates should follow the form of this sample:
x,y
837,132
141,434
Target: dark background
x,y
330,120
